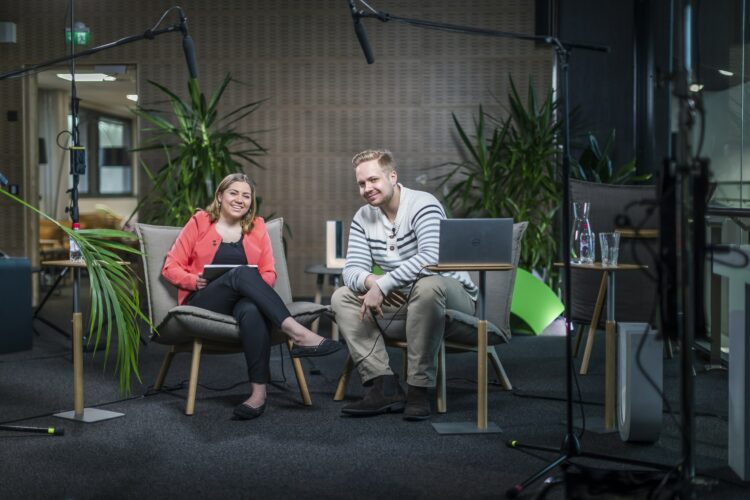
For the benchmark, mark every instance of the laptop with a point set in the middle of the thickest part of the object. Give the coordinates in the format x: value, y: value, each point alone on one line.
x: 475, y: 241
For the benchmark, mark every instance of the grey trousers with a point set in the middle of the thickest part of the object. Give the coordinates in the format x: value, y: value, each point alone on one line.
x: 421, y: 322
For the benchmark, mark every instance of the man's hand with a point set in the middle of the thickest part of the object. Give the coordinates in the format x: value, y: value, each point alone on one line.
x: 201, y: 282
x: 372, y: 300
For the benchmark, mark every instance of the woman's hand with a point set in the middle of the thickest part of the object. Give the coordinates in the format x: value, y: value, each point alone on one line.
x: 201, y: 282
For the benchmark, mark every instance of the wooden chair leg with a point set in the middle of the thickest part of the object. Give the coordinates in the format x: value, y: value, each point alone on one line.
x: 441, y: 402
x: 499, y: 370
x: 344, y: 379
x: 164, y: 368
x: 579, y: 337
x: 304, y: 392
x: 594, y: 323
x: 194, y: 367
x: 668, y: 347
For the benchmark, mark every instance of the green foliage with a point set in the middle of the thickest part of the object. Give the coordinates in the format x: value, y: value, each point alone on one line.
x: 201, y: 147
x: 510, y: 170
x: 114, y: 293
x: 595, y: 165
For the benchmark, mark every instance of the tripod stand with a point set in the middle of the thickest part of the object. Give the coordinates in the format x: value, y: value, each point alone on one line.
x: 687, y: 178
x: 78, y: 168
x: 571, y: 446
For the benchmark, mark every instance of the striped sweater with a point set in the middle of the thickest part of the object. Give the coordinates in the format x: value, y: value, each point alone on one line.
x: 401, y: 249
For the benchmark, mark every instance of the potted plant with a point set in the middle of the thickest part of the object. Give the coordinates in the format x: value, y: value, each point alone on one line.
x: 201, y: 146
x: 510, y: 169
x: 595, y: 165
x: 115, y: 301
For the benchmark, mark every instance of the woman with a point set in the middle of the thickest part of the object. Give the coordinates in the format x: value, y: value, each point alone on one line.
x: 228, y: 232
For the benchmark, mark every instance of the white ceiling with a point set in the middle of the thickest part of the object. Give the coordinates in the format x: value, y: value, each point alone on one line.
x: 96, y: 94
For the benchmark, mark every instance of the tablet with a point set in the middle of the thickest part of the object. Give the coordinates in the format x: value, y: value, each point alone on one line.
x: 213, y: 271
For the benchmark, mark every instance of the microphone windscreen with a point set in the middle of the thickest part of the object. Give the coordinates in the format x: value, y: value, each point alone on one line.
x: 359, y: 29
x: 189, y: 49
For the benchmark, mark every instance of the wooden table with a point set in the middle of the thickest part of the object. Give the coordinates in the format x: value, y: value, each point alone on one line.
x: 79, y: 413
x: 481, y: 426
x: 334, y: 279
x: 606, y: 288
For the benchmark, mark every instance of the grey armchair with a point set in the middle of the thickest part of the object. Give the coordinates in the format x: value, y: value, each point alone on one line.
x: 199, y: 331
x: 636, y: 292
x: 461, y: 328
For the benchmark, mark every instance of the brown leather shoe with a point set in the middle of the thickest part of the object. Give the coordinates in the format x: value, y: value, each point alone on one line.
x: 417, y: 404
x: 385, y: 395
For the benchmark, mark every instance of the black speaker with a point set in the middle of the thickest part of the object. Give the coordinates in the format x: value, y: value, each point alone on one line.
x: 15, y: 312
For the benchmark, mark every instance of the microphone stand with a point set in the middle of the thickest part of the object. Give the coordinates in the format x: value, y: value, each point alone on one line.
x: 571, y: 446
x: 77, y: 168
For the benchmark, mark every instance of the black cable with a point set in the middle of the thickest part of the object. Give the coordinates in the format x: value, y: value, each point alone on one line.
x: 51, y: 356
x: 57, y: 139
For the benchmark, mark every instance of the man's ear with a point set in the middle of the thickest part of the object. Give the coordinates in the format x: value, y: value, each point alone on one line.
x: 394, y: 177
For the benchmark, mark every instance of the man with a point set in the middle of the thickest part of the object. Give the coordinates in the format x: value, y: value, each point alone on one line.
x: 398, y: 230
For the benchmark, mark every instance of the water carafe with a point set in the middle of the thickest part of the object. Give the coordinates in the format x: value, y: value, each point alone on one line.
x: 582, y: 244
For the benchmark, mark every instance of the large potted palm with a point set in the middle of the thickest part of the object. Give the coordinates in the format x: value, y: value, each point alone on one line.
x: 510, y: 169
x: 200, y: 145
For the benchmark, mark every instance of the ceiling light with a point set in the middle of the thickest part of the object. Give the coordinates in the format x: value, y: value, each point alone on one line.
x: 696, y: 87
x: 726, y: 73
x: 132, y: 97
x: 88, y: 77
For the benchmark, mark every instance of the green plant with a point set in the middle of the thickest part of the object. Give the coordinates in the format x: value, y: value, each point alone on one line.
x: 595, y: 165
x: 114, y: 293
x: 510, y: 170
x: 201, y: 147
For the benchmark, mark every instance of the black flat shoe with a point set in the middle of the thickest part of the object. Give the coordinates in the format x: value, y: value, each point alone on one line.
x: 245, y: 412
x: 326, y: 347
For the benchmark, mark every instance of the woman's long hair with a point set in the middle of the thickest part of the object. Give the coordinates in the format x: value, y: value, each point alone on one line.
x: 214, y: 209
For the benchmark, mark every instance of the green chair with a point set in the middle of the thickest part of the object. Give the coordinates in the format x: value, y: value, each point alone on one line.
x: 534, y: 303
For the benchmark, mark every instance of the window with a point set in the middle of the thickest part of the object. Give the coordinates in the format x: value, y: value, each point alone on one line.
x: 107, y: 139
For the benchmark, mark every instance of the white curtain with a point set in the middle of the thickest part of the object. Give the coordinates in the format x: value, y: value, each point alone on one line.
x: 53, y: 175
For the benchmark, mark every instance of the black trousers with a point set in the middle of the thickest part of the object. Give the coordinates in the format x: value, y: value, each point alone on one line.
x: 257, y: 307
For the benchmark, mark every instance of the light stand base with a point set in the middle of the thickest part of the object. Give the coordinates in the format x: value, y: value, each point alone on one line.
x: 465, y: 428
x: 90, y: 415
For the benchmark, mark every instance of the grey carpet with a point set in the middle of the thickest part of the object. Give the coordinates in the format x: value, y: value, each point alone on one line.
x: 155, y: 451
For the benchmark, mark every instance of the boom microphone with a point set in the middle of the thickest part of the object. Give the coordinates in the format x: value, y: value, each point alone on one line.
x: 188, y: 48
x: 359, y: 30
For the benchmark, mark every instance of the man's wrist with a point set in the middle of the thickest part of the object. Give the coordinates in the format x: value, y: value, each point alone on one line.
x: 370, y: 281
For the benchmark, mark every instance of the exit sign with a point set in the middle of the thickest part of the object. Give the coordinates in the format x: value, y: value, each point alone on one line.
x: 80, y: 37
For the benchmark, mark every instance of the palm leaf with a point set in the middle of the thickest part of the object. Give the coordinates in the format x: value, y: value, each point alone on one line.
x: 114, y: 293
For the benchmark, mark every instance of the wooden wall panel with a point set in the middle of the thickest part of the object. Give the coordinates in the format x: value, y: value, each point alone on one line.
x: 324, y: 103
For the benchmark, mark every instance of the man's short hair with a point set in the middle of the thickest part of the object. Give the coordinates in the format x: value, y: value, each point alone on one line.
x: 384, y: 157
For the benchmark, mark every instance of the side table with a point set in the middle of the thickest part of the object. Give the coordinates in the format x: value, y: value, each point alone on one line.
x: 481, y: 426
x: 607, y: 287
x: 334, y: 279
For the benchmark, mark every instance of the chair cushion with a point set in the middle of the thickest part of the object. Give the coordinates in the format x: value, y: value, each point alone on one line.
x: 459, y: 327
x: 183, y: 323
x: 462, y: 328
x: 306, y: 312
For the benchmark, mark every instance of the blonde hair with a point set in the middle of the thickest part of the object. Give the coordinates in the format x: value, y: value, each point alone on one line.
x: 214, y: 209
x: 384, y: 157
